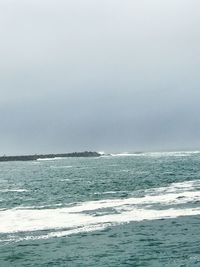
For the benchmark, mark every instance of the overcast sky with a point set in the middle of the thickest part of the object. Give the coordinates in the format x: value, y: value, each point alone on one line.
x: 108, y: 75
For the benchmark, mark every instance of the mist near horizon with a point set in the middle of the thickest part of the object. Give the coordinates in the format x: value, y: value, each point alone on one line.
x: 109, y: 76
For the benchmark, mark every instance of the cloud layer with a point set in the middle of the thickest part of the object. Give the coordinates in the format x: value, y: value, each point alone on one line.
x: 103, y: 75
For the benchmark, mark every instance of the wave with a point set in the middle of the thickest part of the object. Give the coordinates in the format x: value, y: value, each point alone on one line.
x: 124, y: 154
x: 75, y: 167
x: 67, y: 180
x: 13, y: 190
x: 172, y: 154
x: 47, y: 159
x: 158, y: 203
x: 84, y: 229
x: 177, y: 187
x: 157, y: 154
x: 62, y: 167
x: 110, y: 192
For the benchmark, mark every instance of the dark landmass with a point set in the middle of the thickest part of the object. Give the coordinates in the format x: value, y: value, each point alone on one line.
x: 49, y: 156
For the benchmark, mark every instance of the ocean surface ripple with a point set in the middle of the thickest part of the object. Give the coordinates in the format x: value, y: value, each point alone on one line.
x: 120, y: 210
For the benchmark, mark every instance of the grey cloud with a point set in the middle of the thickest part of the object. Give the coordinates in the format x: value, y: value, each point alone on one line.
x: 100, y: 75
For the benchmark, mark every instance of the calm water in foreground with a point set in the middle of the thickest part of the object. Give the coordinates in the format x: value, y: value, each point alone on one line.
x: 139, y: 210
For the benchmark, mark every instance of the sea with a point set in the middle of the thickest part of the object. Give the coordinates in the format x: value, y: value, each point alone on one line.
x: 138, y: 209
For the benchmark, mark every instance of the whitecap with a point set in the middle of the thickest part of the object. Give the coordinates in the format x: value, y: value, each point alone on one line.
x: 171, y: 154
x: 124, y: 154
x: 47, y: 159
x: 157, y: 154
x: 113, y: 211
x: 110, y: 192
x: 66, y: 180
x: 13, y: 190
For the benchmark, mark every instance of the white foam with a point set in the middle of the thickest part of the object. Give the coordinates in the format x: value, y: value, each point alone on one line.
x: 125, y: 154
x: 46, y: 159
x: 157, y: 154
x: 84, y: 229
x: 13, y: 190
x: 101, y: 153
x: 89, y: 223
x: 110, y: 192
x: 176, y: 187
x: 97, y: 213
x: 172, y: 154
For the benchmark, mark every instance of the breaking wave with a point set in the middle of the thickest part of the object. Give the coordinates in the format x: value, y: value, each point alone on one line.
x: 157, y: 154
x: 157, y: 203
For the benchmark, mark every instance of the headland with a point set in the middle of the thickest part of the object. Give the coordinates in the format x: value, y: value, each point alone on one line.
x: 49, y: 156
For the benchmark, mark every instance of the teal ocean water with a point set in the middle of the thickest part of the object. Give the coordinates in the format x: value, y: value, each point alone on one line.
x: 120, y: 210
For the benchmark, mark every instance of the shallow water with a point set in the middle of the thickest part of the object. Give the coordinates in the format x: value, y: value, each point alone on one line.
x: 122, y: 210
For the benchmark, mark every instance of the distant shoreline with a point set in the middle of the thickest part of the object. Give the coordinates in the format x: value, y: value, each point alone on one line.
x: 49, y: 156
